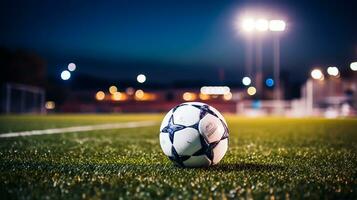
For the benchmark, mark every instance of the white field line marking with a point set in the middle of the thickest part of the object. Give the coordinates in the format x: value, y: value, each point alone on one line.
x: 136, y: 124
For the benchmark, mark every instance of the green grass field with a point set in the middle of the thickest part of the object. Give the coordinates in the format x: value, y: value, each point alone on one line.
x: 268, y: 158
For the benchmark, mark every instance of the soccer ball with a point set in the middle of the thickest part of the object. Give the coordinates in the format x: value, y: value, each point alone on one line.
x: 194, y: 134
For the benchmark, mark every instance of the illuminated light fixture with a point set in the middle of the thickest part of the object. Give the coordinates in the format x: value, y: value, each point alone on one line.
x: 141, y: 78
x: 317, y: 74
x: 189, y: 96
x: 269, y: 82
x: 215, y: 90
x: 139, y: 94
x: 50, y: 105
x: 333, y: 71
x: 204, y: 97
x: 251, y: 91
x: 261, y: 25
x: 113, y: 89
x: 248, y: 24
x: 71, y: 67
x: 277, y: 25
x: 100, y: 95
x: 118, y: 96
x: 227, y: 96
x: 246, y: 81
x: 353, y: 66
x: 129, y: 91
x: 65, y: 75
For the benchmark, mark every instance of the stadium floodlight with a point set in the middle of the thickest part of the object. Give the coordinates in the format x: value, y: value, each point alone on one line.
x: 248, y: 24
x: 246, y: 81
x: 333, y: 71
x: 71, y: 67
x: 251, y: 91
x: 65, y: 75
x: 100, y: 95
x: 261, y: 25
x: 317, y: 74
x: 277, y: 25
x: 141, y: 78
x: 269, y: 82
x: 353, y: 66
x: 113, y: 89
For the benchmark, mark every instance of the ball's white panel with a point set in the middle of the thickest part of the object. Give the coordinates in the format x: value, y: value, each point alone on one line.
x: 166, y: 119
x: 211, y: 128
x: 197, y: 161
x: 186, y: 115
x: 218, y: 114
x: 187, y: 141
x: 165, y: 144
x: 196, y: 103
x: 220, y: 150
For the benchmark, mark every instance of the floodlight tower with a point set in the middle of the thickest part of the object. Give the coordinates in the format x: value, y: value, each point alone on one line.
x: 261, y: 27
x: 277, y: 26
x: 248, y: 27
x: 255, y: 27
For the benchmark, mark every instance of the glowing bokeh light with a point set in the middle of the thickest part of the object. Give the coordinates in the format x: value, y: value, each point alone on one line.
x: 215, y: 90
x: 204, y: 97
x: 189, y: 96
x: 113, y: 89
x: 317, y: 74
x: 50, y: 105
x: 141, y: 78
x: 129, y: 91
x: 333, y: 71
x: 269, y: 82
x: 118, y: 96
x: 227, y: 96
x: 246, y: 81
x: 100, y: 95
x: 353, y: 66
x: 65, y: 75
x: 251, y: 91
x: 71, y: 67
x: 277, y: 25
x: 139, y: 94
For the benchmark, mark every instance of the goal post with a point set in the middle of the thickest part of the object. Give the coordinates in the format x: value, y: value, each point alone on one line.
x: 20, y: 98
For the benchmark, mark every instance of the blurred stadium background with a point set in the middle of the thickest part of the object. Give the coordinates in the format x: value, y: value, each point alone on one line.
x: 257, y: 60
x: 328, y: 91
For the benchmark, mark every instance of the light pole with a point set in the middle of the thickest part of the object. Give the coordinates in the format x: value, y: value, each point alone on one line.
x: 277, y: 26
x: 258, y: 26
x: 248, y: 26
x: 255, y: 27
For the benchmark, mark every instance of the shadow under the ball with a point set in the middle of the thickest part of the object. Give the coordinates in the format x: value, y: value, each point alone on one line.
x: 228, y: 167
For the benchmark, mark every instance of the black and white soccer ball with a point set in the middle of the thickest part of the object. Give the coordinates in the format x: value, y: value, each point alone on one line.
x: 194, y: 134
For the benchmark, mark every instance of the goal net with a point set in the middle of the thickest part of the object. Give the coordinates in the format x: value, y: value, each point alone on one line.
x: 19, y: 98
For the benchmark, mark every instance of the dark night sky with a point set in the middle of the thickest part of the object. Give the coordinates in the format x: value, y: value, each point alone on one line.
x: 175, y: 40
